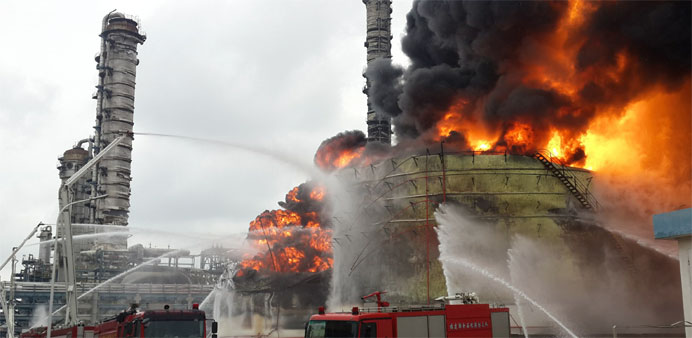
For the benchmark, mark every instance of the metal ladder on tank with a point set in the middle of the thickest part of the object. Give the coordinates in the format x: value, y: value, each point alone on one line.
x: 578, y: 189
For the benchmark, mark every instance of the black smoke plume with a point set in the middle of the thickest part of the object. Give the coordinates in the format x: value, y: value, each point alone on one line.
x: 339, y: 150
x: 481, y: 53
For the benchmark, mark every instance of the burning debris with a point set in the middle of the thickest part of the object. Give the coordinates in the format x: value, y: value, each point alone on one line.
x: 293, y: 239
x: 291, y: 268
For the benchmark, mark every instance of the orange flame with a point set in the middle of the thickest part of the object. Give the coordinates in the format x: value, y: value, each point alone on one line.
x: 638, y: 133
x: 317, y: 194
x: 293, y: 195
x: 342, y: 150
x: 291, y: 240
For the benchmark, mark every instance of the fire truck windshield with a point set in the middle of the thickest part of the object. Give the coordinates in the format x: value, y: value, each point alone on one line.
x: 331, y: 329
x: 174, y: 329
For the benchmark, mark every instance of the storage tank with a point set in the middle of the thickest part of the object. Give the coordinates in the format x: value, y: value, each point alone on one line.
x: 394, y: 223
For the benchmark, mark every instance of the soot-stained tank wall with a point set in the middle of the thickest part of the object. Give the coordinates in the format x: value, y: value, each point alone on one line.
x: 516, y: 194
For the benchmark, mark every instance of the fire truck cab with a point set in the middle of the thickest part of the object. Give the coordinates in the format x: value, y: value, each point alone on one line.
x: 156, y: 323
x: 443, y: 320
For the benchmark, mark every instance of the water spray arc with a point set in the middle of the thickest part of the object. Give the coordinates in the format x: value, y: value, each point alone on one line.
x: 274, y: 155
x: 466, y: 264
x: 124, y: 273
x: 133, y: 269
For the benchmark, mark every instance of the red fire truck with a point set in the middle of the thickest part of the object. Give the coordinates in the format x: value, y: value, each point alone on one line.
x: 132, y: 323
x: 442, y: 320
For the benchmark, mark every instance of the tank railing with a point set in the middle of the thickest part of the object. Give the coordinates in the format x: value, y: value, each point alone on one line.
x: 132, y: 17
x: 428, y: 152
x: 397, y: 164
x: 135, y: 18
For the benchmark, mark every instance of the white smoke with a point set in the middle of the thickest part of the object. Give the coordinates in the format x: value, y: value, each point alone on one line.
x: 358, y: 241
x: 39, y: 316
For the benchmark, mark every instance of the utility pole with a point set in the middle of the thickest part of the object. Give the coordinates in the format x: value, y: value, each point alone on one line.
x: 10, y: 316
x: 8, y: 305
x: 5, y: 311
x: 68, y: 257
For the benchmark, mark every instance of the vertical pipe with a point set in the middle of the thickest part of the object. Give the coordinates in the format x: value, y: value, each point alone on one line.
x: 70, y: 283
x: 96, y: 148
x: 444, y: 177
x: 10, y: 315
x: 53, y: 277
x: 427, y: 228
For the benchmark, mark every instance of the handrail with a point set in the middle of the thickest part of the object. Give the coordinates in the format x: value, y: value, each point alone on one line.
x: 560, y: 165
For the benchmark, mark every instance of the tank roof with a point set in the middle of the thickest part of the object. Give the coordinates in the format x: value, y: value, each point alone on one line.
x: 75, y: 154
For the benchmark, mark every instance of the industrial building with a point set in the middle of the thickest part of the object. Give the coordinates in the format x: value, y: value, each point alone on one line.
x: 169, y: 277
x: 115, y: 93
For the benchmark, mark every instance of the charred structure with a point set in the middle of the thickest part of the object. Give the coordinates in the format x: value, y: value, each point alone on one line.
x: 379, y: 46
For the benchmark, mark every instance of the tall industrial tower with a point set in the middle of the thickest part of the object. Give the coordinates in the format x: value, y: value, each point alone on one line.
x: 379, y: 45
x: 116, y: 64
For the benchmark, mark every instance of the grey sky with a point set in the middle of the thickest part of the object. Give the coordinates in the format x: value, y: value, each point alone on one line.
x: 282, y: 75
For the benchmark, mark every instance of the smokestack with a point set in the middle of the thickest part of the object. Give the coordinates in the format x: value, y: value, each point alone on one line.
x: 115, y: 97
x: 378, y: 44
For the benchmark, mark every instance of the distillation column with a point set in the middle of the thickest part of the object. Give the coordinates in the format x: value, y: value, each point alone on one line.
x: 379, y: 45
x: 115, y: 97
x: 71, y: 161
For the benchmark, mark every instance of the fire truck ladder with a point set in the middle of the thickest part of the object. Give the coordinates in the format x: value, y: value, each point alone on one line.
x: 578, y: 189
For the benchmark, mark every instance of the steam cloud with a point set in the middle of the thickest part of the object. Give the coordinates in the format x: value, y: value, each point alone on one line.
x: 590, y: 285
